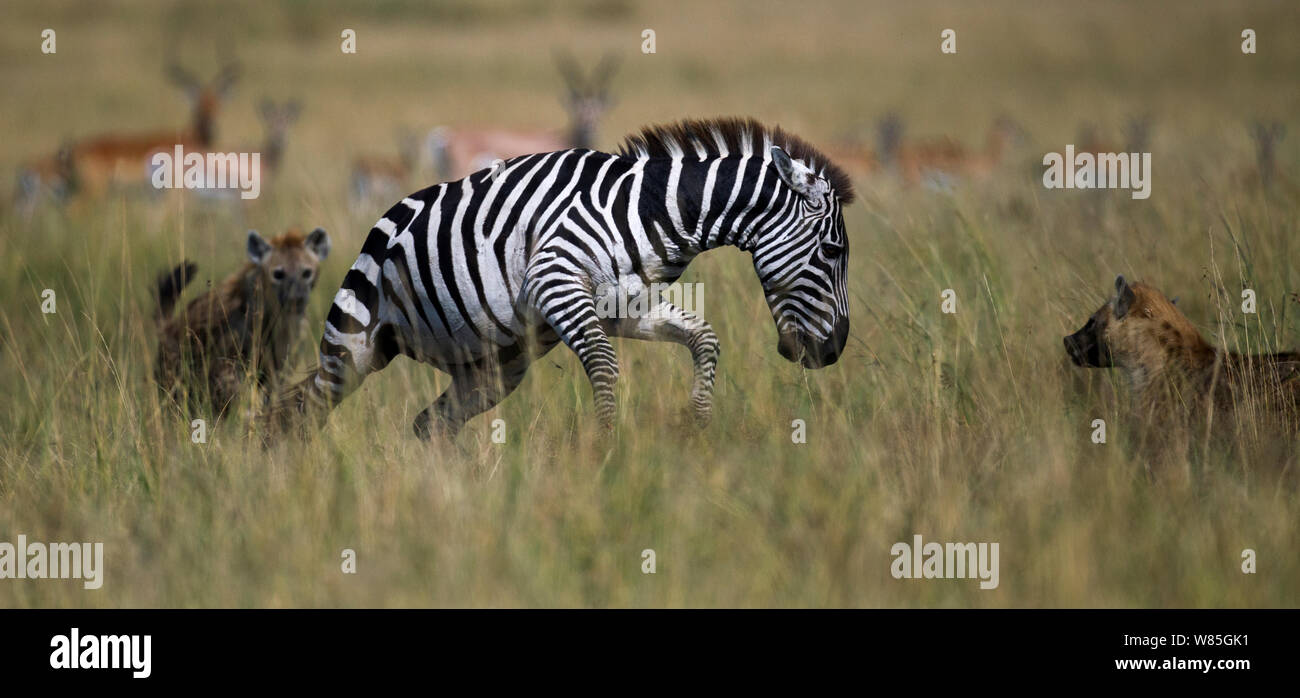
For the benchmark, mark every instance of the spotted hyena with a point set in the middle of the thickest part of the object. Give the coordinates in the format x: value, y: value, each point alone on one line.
x: 243, y: 328
x: 1171, y: 367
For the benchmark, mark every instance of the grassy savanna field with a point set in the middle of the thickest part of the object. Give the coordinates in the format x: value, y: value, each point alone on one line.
x: 970, y: 426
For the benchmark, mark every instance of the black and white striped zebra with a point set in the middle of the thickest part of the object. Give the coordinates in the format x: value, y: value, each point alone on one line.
x: 480, y: 276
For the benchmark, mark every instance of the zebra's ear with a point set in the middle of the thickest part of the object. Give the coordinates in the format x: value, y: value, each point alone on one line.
x: 794, y: 174
x: 258, y: 248
x: 318, y: 241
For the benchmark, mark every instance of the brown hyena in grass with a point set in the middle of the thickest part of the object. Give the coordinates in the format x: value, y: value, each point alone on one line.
x: 245, y: 327
x: 1182, y: 385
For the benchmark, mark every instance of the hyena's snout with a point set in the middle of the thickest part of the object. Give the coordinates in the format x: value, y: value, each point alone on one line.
x: 1087, y: 349
x: 1074, y: 349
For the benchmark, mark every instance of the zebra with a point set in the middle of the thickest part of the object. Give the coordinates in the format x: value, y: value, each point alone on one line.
x: 481, y: 276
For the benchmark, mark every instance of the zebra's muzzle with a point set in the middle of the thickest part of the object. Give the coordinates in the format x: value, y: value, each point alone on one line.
x: 790, y: 345
x: 794, y: 345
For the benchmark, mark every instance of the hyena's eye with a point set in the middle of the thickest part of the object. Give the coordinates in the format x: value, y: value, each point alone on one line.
x: 306, y: 273
x: 278, y: 274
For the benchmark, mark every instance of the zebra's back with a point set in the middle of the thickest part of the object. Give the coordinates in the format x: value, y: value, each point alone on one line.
x: 445, y: 265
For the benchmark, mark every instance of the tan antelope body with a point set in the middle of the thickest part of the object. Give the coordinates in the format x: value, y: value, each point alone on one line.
x: 855, y: 156
x: 276, y: 120
x: 1264, y: 174
x: 941, y: 160
x: 1137, y: 136
x: 378, y: 177
x: 460, y: 151
x: 53, y: 177
x: 110, y: 158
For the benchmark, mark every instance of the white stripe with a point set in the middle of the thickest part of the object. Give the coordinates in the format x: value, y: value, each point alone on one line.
x: 347, y: 301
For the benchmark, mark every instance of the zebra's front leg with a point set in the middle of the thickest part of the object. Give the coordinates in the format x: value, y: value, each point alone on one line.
x: 666, y: 322
x: 570, y: 309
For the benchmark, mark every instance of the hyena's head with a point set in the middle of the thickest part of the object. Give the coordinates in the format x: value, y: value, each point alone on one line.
x: 804, y: 270
x: 287, y: 266
x: 1138, y: 329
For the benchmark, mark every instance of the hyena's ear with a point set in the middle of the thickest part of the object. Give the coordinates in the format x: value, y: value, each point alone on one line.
x: 258, y: 248
x: 797, y: 175
x: 1124, y: 297
x: 318, y: 241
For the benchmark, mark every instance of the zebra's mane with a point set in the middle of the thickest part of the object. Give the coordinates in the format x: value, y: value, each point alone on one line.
x: 706, y: 138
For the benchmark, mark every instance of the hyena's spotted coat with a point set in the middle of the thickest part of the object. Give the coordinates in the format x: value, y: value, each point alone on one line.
x: 246, y: 326
x: 1171, y: 367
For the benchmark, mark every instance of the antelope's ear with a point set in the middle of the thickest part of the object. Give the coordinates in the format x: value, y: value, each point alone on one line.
x: 185, y: 80
x: 258, y: 248
x: 795, y: 174
x: 1124, y: 297
x: 318, y: 241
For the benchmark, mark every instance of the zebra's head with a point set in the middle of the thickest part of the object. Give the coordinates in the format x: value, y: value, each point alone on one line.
x: 802, y: 263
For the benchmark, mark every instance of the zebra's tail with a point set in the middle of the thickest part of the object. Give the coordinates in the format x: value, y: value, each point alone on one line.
x: 355, y: 342
x: 170, y: 285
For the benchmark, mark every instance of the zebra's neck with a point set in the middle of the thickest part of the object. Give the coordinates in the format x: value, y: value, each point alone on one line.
x: 716, y: 202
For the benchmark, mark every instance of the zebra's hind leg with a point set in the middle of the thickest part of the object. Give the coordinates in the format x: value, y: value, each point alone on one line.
x: 345, y: 361
x: 475, y: 389
x: 666, y: 322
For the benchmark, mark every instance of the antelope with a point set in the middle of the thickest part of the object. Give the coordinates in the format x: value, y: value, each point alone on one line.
x: 276, y: 120
x: 1137, y: 137
x: 53, y: 176
x: 115, y: 157
x: 385, y: 177
x: 458, y: 152
x: 856, y: 156
x: 1264, y: 173
x: 938, y: 161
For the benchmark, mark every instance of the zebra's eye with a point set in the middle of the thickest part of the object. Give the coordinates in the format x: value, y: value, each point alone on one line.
x: 831, y: 250
x: 278, y: 274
